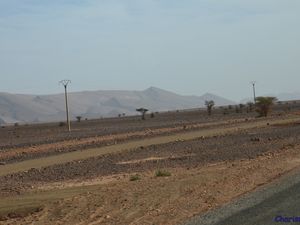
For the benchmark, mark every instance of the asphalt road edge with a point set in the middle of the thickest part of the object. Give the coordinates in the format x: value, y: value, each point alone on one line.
x: 248, y: 200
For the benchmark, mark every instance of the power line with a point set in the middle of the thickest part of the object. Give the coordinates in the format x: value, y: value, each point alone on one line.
x: 65, y: 83
x: 254, y: 91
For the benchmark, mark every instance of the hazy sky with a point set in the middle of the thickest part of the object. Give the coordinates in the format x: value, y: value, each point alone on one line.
x: 190, y: 47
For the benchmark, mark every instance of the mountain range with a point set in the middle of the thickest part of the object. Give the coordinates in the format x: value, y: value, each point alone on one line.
x: 281, y: 97
x: 95, y: 104
x: 288, y: 96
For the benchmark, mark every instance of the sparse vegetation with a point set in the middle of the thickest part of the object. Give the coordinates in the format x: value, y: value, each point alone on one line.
x: 100, y: 177
x: 288, y: 108
x: 135, y: 177
x: 250, y: 106
x: 62, y: 124
x: 237, y: 110
x: 20, y: 212
x: 162, y: 173
x: 143, y: 111
x: 78, y: 118
x: 242, y: 106
x: 264, y: 105
x: 225, y: 111
x: 209, y: 105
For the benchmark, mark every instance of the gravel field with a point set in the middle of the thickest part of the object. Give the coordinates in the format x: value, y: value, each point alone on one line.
x: 181, y: 154
x: 28, y: 135
x: 86, y: 175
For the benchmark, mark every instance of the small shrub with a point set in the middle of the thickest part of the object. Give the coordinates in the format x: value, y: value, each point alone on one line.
x: 143, y: 112
x: 264, y: 105
x: 16, y: 124
x: 152, y: 115
x: 162, y: 173
x: 134, y: 177
x: 250, y: 106
x: 61, y: 124
x: 209, y: 105
x: 237, y: 109
x: 241, y: 106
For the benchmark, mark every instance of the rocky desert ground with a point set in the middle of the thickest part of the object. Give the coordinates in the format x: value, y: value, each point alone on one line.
x: 163, y: 170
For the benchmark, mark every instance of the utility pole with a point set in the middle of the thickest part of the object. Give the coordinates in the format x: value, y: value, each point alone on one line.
x: 254, y: 94
x: 65, y: 84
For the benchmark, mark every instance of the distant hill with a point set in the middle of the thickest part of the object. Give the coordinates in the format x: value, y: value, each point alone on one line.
x: 95, y: 104
x: 288, y: 96
x: 280, y: 97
